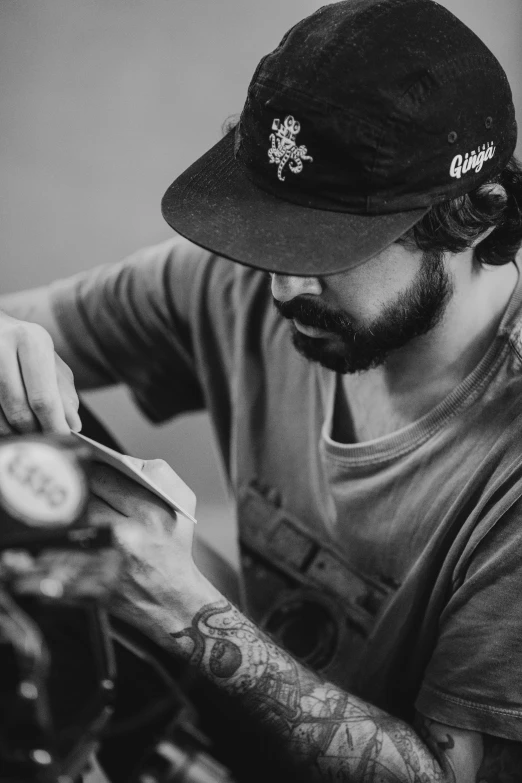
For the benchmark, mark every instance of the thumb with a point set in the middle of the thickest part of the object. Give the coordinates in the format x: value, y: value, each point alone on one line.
x: 160, y: 472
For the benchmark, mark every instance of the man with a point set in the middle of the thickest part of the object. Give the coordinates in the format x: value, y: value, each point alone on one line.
x: 378, y: 484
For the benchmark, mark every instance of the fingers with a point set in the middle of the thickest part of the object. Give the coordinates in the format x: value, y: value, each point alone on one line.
x: 68, y: 394
x: 168, y: 480
x: 5, y: 427
x: 130, y: 534
x: 41, y: 384
x: 125, y: 495
x: 36, y: 387
x: 138, y: 504
x: 17, y: 415
x: 101, y: 513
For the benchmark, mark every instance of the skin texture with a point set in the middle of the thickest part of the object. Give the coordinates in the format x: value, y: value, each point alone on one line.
x: 311, y: 727
x: 417, y: 376
x: 37, y: 392
x: 39, y: 374
x: 346, y: 346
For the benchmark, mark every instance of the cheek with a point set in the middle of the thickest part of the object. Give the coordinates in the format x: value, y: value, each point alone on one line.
x: 365, y: 292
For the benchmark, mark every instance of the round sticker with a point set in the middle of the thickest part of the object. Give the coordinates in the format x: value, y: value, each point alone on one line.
x: 39, y: 484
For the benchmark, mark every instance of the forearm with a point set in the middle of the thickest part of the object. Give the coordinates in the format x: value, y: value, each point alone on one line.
x: 312, y: 725
x: 35, y: 306
x: 282, y: 721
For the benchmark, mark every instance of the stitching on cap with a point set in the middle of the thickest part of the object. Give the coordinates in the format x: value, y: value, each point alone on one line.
x: 314, y: 100
x: 443, y: 68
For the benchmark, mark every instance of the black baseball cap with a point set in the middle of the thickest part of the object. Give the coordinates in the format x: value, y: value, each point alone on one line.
x: 367, y: 114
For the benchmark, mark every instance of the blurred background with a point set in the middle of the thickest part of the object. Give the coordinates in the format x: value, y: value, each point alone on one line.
x: 102, y: 104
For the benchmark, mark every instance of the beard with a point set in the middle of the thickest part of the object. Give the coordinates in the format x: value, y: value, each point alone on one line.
x: 351, y: 348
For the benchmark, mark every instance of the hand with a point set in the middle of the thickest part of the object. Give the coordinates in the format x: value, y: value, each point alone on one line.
x: 159, y: 572
x: 36, y: 387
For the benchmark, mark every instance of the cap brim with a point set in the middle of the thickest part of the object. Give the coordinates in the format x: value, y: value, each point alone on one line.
x: 216, y: 206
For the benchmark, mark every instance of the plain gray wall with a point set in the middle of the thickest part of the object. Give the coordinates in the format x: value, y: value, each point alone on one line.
x: 102, y: 104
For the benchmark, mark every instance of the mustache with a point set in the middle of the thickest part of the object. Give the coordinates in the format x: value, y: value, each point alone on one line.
x: 315, y: 314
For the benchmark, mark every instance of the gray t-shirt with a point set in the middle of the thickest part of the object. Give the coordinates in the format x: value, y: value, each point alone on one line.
x: 393, y: 567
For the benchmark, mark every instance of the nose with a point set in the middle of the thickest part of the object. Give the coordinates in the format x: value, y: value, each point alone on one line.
x: 286, y: 287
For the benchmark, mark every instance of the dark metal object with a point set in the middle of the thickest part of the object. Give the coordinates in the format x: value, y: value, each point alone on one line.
x: 60, y: 656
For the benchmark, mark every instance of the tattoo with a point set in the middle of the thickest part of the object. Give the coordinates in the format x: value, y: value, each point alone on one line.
x: 439, y: 745
x: 501, y: 762
x: 225, y: 658
x: 331, y: 734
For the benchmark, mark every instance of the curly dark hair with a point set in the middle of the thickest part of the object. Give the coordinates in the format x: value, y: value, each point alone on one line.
x: 453, y: 226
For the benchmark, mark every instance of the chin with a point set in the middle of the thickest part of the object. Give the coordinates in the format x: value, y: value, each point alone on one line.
x: 334, y: 354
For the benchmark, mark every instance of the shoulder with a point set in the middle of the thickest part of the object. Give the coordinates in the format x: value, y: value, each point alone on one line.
x: 180, y: 259
x: 221, y: 299
x: 172, y: 275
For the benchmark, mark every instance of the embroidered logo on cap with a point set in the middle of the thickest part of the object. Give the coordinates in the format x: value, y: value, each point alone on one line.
x: 472, y: 160
x: 284, y: 149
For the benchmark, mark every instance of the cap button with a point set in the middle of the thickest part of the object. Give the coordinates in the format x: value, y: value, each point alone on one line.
x: 452, y: 138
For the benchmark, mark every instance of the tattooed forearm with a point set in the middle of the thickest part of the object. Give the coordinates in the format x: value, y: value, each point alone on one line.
x: 333, y: 735
x: 439, y: 742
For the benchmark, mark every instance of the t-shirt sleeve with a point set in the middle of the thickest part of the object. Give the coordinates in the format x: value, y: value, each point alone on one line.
x: 473, y: 680
x: 135, y: 322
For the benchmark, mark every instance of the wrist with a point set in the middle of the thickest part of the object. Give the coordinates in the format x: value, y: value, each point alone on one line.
x: 198, y: 592
x: 176, y: 606
x: 166, y: 607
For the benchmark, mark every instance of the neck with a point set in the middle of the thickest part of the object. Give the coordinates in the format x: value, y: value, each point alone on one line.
x: 417, y: 377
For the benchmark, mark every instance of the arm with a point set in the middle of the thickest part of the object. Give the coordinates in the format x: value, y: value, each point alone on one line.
x: 314, y: 728
x: 324, y: 731
x: 84, y: 331
x: 129, y: 323
x: 38, y: 370
x: 34, y: 306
